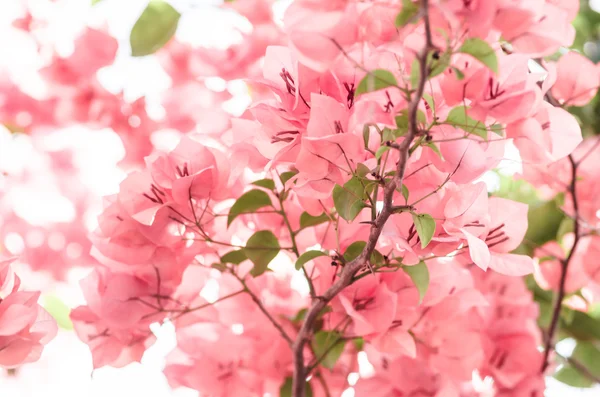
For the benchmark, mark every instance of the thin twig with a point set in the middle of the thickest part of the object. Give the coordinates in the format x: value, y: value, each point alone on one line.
x: 564, y: 269
x: 264, y: 310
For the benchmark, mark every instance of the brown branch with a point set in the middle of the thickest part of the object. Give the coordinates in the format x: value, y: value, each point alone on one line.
x: 564, y: 268
x: 351, y: 268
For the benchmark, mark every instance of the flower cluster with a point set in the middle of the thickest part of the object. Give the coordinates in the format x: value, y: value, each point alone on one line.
x: 25, y: 327
x: 338, y: 233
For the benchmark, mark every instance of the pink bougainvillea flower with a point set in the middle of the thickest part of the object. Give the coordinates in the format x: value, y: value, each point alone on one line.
x: 508, y: 224
x: 551, y: 134
x: 511, y: 96
x: 25, y: 327
x: 577, y: 81
x: 190, y: 171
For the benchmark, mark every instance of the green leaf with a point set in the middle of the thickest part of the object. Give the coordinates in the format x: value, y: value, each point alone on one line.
x: 94, y: 2
x: 425, y: 226
x: 415, y: 73
x: 286, y: 176
x: 154, y: 28
x: 438, y: 63
x: 459, y: 117
x: 59, y: 311
x: 286, y: 389
x: 434, y: 147
x: 366, y: 135
x: 307, y: 220
x: 308, y: 256
x: 480, y: 50
x: 381, y: 151
x: 300, y: 315
x: 349, y: 199
x: 261, y: 249
x: 266, y: 183
x: 588, y: 355
x: 248, y: 203
x: 497, y: 129
x: 328, y: 346
x: 584, y: 327
x: 388, y: 134
x: 419, y: 274
x: 402, y: 123
x: 407, y: 13
x: 359, y: 343
x: 376, y: 80
x: 405, y: 192
x: 459, y: 74
x: 354, y: 250
x: 236, y: 257
x: 362, y: 170
x: 571, y: 376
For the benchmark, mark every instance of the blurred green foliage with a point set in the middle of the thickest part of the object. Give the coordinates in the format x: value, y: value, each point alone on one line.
x: 587, y: 41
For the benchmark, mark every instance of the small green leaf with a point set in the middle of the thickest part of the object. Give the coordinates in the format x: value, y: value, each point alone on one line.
x: 308, y: 256
x: 402, y: 122
x: 459, y: 117
x: 300, y: 315
x: 388, y: 134
x: 362, y: 170
x: 154, y: 28
x: 480, y: 50
x: 415, y: 73
x: 407, y: 13
x: 459, y: 74
x: 419, y: 274
x: 266, y: 183
x: 307, y: 220
x: 438, y: 63
x: 248, y: 203
x: 569, y: 375
x: 286, y: 176
x: 588, y: 355
x: 434, y: 147
x: 381, y: 151
x: 236, y: 257
x: 354, y: 250
x: 349, y: 199
x: 425, y: 226
x: 328, y: 346
x: 405, y: 192
x: 286, y: 389
x: 497, y: 129
x: 366, y: 135
x: 376, y: 80
x: 261, y: 249
x: 430, y: 101
x: 359, y: 343
x: 59, y: 311
x: 94, y: 2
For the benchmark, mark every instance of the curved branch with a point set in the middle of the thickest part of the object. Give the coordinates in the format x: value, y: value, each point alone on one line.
x: 564, y: 269
x: 351, y: 268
